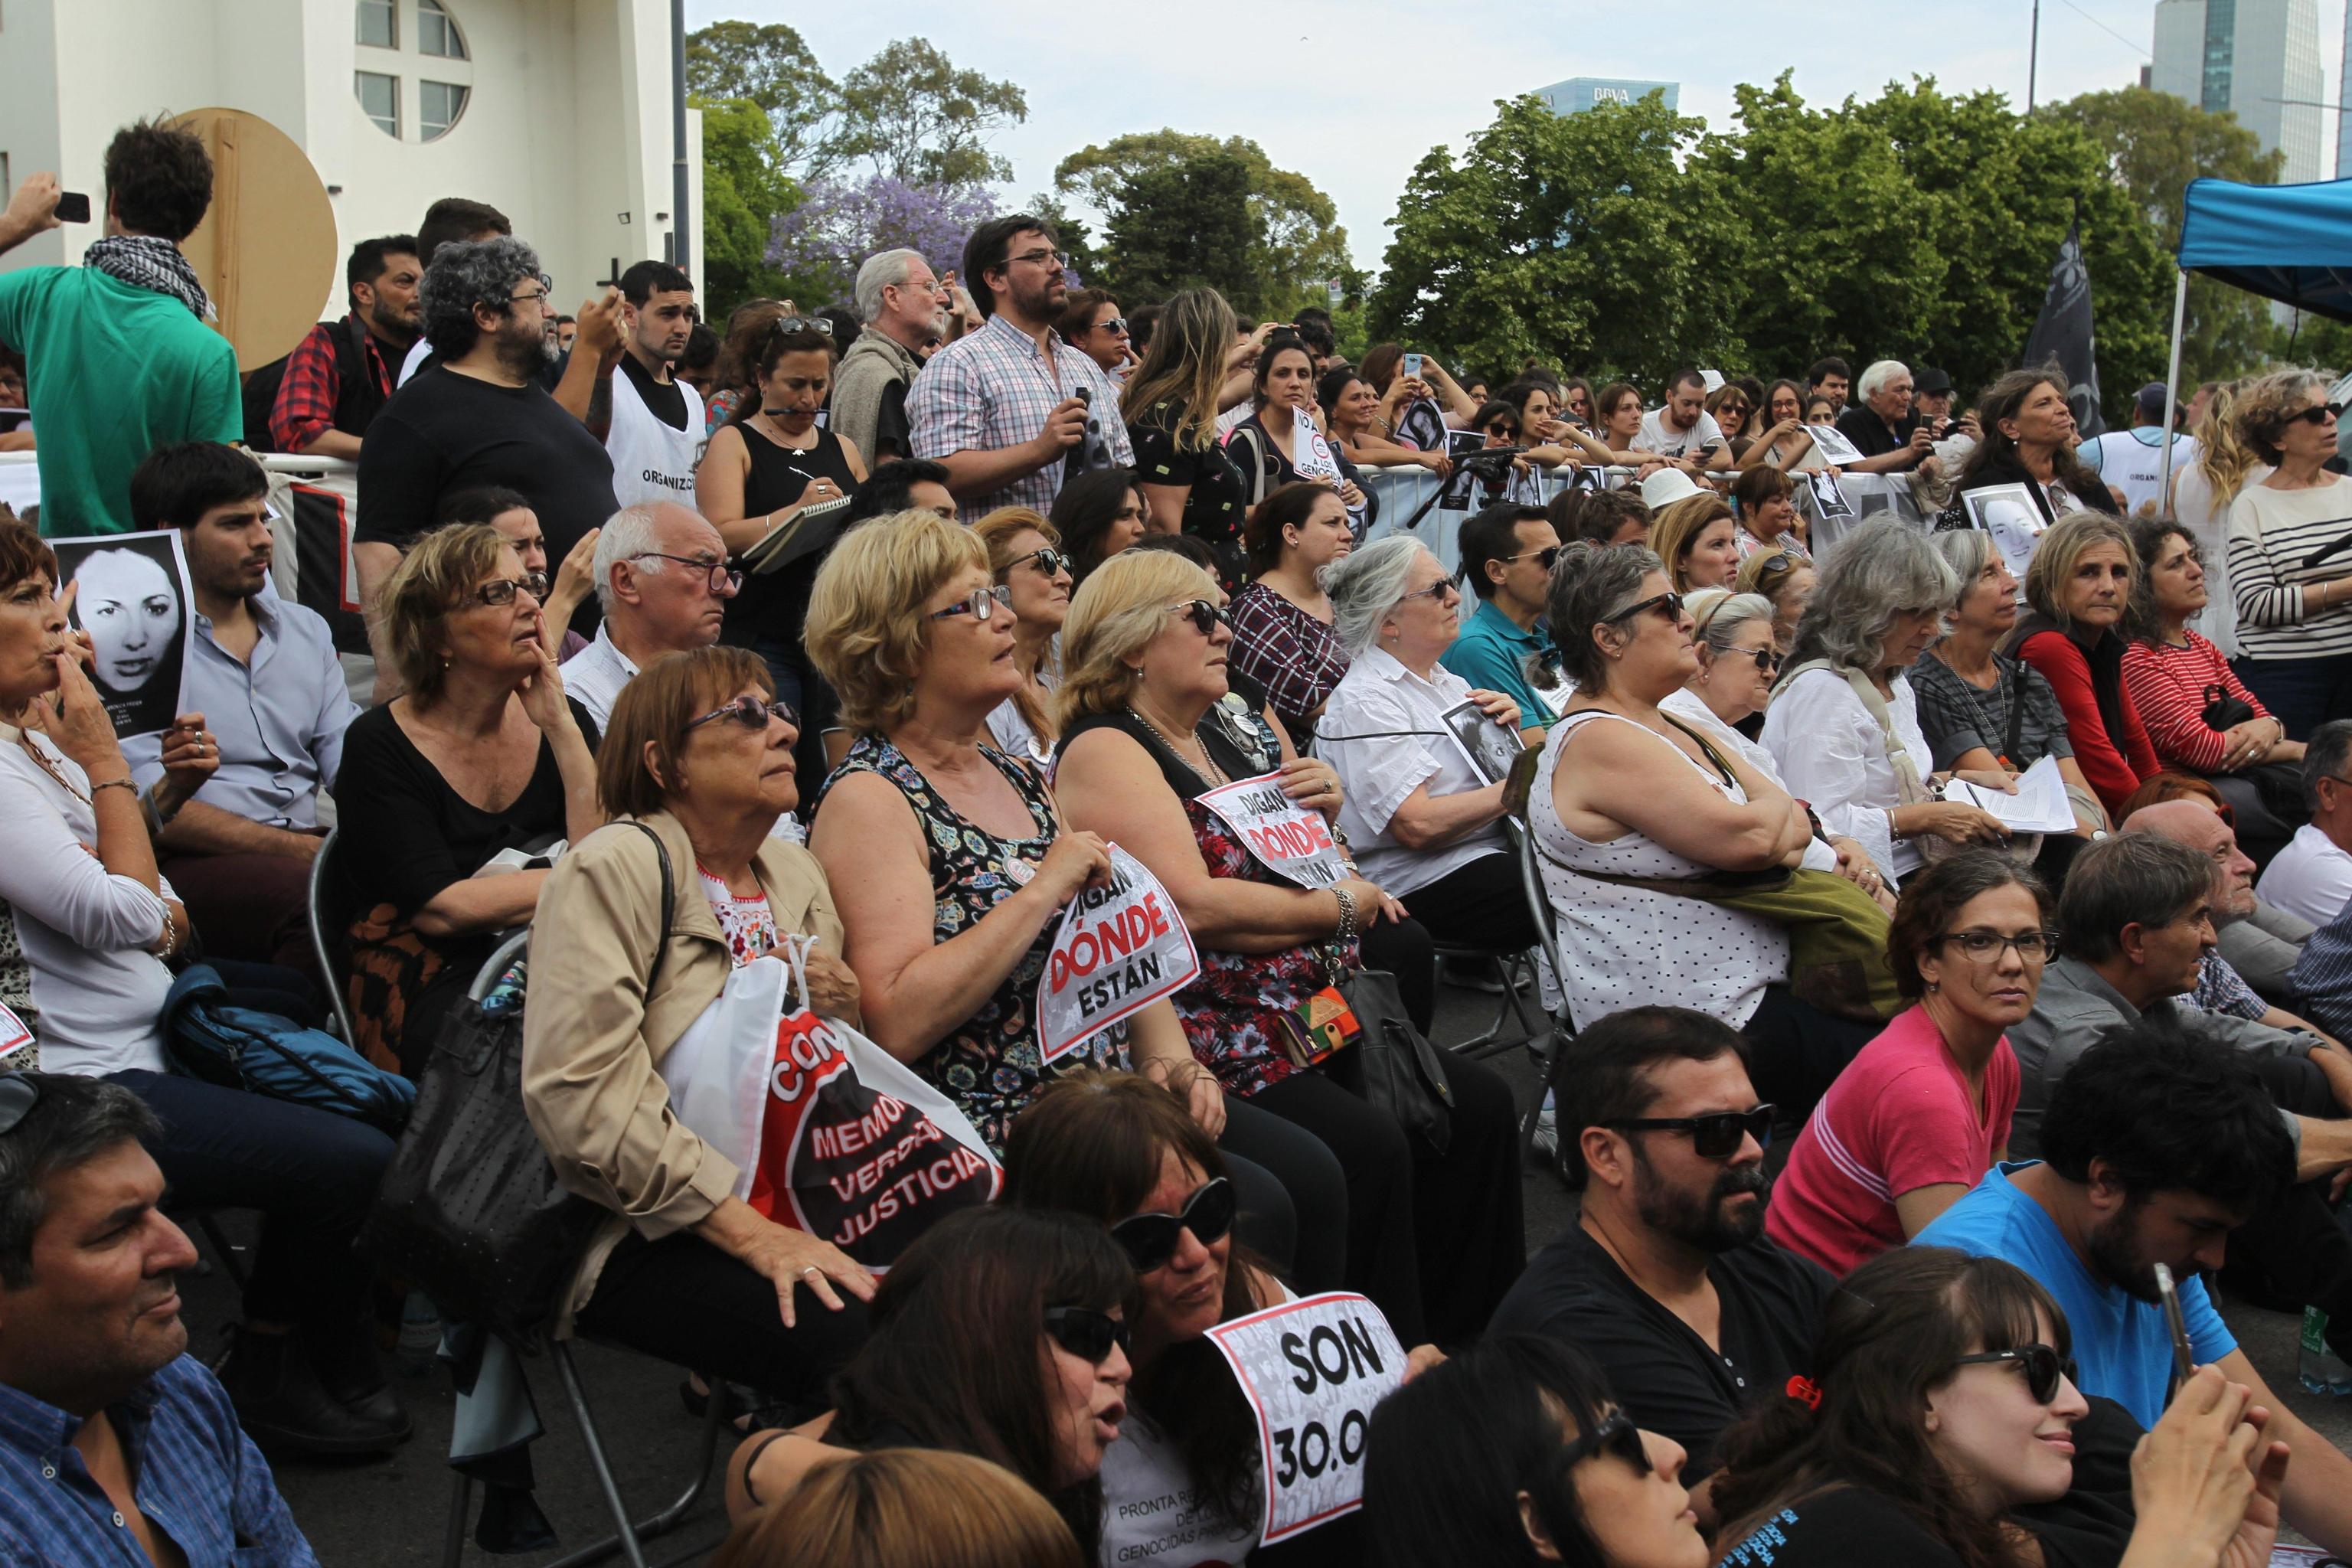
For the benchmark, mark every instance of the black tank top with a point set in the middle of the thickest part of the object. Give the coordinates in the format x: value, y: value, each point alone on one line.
x: 769, y: 611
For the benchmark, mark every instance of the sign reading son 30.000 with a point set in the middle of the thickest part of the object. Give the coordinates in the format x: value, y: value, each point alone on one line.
x: 1286, y: 836
x: 1119, y: 948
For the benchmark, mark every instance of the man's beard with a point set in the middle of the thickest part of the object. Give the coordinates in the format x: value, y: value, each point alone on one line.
x: 2114, y: 1258
x: 387, y: 325
x: 525, y: 357
x: 1702, y: 1223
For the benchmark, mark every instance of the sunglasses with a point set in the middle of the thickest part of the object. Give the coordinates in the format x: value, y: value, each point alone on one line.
x: 1779, y: 561
x: 783, y: 326
x: 1149, y: 1239
x: 1715, y: 1136
x: 19, y: 1093
x: 2320, y: 415
x: 501, y: 590
x: 1116, y: 324
x: 1509, y: 432
x: 1084, y: 1332
x: 1544, y: 557
x: 979, y: 606
x: 1767, y: 660
x: 1442, y: 590
x: 1615, y: 1435
x: 750, y: 712
x: 1050, y: 560
x: 1206, y: 616
x: 2043, y: 1365
x: 1670, y: 603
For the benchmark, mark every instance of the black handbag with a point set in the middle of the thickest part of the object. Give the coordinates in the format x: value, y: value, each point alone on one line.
x: 2223, y: 711
x: 1391, y: 1064
x: 470, y: 1211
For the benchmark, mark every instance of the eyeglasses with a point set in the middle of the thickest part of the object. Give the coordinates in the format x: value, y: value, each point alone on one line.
x: 1670, y: 603
x: 1206, y: 616
x: 783, y: 326
x: 1050, y: 560
x: 1441, y: 592
x: 1544, y: 557
x: 1714, y: 1136
x: 1767, y: 660
x: 750, y: 712
x: 1049, y: 259
x: 979, y: 604
x: 719, y: 577
x: 2043, y: 1366
x: 1730, y: 408
x: 1084, y: 1332
x: 1985, y: 946
x: 502, y: 590
x: 1615, y: 1435
x: 19, y: 1093
x: 1149, y: 1239
x: 546, y: 287
x: 2319, y: 413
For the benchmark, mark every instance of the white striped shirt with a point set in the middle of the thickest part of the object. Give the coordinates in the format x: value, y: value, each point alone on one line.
x: 2269, y: 534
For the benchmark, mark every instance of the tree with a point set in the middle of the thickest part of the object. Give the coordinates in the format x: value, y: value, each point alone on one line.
x: 914, y: 118
x: 741, y: 193
x: 820, y: 243
x: 772, y: 66
x: 1185, y: 224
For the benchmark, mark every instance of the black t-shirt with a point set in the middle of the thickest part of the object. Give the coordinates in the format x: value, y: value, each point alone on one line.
x: 1844, y: 1527
x: 1869, y: 432
x: 1218, y: 503
x: 1668, y: 1378
x: 665, y: 398
x: 446, y: 432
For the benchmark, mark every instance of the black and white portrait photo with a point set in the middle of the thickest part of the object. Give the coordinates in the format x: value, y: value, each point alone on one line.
x: 2009, y: 514
x: 131, y: 595
x: 1489, y: 746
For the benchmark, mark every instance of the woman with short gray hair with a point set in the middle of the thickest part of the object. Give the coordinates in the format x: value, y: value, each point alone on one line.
x: 2295, y: 634
x: 1843, y: 724
x: 1400, y: 730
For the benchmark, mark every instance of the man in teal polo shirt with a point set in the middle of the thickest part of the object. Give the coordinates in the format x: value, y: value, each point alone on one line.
x: 120, y: 357
x: 1506, y: 553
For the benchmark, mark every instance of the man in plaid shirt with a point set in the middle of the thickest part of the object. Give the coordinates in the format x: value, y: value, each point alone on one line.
x: 322, y: 408
x: 1000, y: 408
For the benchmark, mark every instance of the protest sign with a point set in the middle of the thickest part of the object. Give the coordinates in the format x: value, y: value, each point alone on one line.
x: 1485, y: 744
x: 1311, y: 1371
x: 14, y: 1038
x: 1120, y: 948
x: 133, y: 599
x: 1287, y: 838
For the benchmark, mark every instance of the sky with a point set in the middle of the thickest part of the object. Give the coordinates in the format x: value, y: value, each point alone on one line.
x: 1353, y: 95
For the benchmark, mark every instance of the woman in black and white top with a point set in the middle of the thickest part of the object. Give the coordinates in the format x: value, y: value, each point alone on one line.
x: 2295, y: 634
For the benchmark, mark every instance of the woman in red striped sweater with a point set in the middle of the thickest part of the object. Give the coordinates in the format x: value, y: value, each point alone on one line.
x: 2075, y: 590
x: 2181, y: 685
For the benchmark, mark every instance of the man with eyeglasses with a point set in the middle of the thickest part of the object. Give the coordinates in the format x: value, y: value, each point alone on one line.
x: 1666, y: 1277
x: 1890, y: 434
x: 1002, y: 408
x: 478, y: 417
x: 904, y: 305
x: 1507, y: 552
x: 663, y: 580
x: 652, y: 421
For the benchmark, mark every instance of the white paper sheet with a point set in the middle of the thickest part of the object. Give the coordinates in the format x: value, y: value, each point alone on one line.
x: 2039, y: 804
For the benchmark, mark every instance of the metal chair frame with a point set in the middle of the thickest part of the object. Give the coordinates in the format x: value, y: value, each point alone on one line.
x: 323, y: 869
x: 1515, y: 970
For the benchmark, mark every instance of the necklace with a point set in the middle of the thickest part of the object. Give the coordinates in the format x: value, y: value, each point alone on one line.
x: 1207, y: 768
x: 41, y: 761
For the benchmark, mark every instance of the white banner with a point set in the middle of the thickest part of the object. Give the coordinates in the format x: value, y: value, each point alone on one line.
x: 1312, y: 1369
x: 1120, y: 948
x: 1286, y: 837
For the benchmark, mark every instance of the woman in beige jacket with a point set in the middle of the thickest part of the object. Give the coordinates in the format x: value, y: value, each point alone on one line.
x: 699, y: 752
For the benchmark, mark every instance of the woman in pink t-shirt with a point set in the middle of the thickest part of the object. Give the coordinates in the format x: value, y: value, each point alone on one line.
x: 1916, y: 1119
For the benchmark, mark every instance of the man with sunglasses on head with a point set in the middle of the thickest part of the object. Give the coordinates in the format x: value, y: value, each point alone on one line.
x: 662, y: 581
x: 1002, y: 408
x: 1667, y: 1279
x: 903, y: 305
x: 1508, y: 551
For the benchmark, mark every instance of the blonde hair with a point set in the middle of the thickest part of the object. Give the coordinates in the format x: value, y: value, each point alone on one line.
x: 1185, y: 365
x: 865, y: 631
x: 997, y: 530
x: 905, y: 1507
x: 1677, y: 527
x: 2224, y: 455
x: 421, y: 591
x: 2061, y: 549
x: 1119, y: 611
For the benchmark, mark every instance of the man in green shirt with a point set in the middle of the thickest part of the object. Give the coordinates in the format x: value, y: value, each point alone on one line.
x: 120, y: 357
x: 1508, y: 551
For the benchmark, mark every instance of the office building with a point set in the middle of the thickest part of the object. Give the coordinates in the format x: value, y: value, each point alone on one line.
x: 1579, y: 93
x: 2258, y: 60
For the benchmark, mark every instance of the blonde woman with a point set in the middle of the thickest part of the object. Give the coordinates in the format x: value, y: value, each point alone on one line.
x: 2076, y: 590
x: 1189, y: 486
x: 2201, y: 497
x: 1024, y: 554
x: 1698, y: 539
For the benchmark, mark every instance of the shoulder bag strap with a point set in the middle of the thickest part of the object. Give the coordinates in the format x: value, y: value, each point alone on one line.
x: 2016, y: 714
x: 1910, y: 789
x: 668, y: 901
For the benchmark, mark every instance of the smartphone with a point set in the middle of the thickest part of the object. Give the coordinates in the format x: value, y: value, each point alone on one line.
x: 2184, y: 1366
x: 1413, y: 364
x: 73, y: 206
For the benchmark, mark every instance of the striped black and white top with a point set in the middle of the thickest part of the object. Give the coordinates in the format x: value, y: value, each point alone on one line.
x: 2269, y: 534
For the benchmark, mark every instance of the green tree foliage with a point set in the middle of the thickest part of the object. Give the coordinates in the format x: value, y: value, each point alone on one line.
x: 772, y: 66
x: 741, y: 192
x: 1185, y: 224
x: 911, y: 114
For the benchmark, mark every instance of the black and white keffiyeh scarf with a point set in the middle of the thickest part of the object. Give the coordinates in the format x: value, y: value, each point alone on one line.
x: 145, y: 261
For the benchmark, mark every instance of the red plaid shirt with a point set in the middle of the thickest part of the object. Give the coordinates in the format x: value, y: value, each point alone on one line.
x: 305, y: 409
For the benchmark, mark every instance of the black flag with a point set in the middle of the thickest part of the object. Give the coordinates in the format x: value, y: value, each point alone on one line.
x: 2062, y: 333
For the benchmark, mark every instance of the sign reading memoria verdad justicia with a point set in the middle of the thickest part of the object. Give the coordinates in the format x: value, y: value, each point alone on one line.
x: 1286, y: 836
x: 1120, y: 948
x: 1311, y: 1371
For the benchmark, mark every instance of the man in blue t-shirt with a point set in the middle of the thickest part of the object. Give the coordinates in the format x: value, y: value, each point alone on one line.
x: 1507, y: 554
x: 2155, y: 1147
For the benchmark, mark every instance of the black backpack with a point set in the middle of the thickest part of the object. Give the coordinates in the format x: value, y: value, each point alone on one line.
x: 352, y: 381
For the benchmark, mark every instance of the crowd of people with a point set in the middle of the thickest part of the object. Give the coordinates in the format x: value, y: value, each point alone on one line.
x: 856, y: 647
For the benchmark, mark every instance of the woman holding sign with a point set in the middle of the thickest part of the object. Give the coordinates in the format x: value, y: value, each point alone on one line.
x: 1153, y: 758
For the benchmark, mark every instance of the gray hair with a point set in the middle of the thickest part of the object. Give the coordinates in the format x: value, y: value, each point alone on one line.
x: 628, y: 535
x: 1875, y: 379
x: 1879, y: 573
x: 1589, y: 584
x: 2268, y: 402
x: 883, y: 270
x: 1718, y: 614
x: 2132, y: 878
x: 1366, y: 584
x: 2324, y: 756
x: 465, y: 273
x: 74, y: 1120
x: 1964, y: 551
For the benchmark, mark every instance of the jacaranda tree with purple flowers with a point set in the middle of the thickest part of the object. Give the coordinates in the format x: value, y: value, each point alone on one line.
x: 839, y: 223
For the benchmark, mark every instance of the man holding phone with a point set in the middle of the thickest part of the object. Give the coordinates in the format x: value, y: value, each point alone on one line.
x: 1683, y: 429
x: 121, y: 355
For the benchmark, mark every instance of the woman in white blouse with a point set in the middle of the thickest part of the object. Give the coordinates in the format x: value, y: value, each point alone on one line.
x: 1024, y: 556
x: 1843, y: 724
x: 88, y: 923
x: 1424, y: 825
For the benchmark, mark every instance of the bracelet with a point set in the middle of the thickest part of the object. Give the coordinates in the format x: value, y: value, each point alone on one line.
x: 1346, y: 931
x: 123, y: 783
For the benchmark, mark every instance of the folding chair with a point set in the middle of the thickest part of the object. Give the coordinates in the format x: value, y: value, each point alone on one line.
x: 1515, y: 970
x: 629, y: 1536
x: 329, y: 910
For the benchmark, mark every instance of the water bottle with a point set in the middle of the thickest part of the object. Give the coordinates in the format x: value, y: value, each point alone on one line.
x: 2323, y: 1371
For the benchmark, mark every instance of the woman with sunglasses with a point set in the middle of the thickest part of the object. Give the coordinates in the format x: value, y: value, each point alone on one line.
x: 1764, y: 500
x: 2295, y: 634
x: 700, y: 754
x: 1730, y: 406
x: 1499, y: 425
x: 945, y: 1367
x: 482, y: 753
x: 1517, y: 1454
x: 1024, y: 556
x: 1941, y: 1426
x: 1148, y: 730
x: 1283, y: 638
x: 1919, y: 1116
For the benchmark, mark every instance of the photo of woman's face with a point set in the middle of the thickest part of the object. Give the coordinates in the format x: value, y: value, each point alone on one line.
x: 130, y: 607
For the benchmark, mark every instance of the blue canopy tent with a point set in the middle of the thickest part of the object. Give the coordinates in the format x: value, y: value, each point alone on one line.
x: 2289, y: 242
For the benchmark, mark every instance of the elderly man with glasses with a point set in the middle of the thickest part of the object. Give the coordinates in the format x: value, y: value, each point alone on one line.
x: 904, y: 305
x: 1007, y: 409
x: 662, y: 581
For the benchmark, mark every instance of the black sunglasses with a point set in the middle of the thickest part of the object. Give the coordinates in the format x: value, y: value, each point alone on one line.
x: 1206, y: 616
x: 2319, y: 413
x: 1499, y: 428
x: 783, y: 326
x: 19, y: 1093
x: 1779, y: 561
x: 1715, y: 1135
x: 2043, y: 1366
x: 1670, y: 603
x: 750, y: 712
x: 1615, y: 1435
x: 1767, y: 659
x: 1084, y: 1332
x: 1050, y: 560
x: 1149, y: 1239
